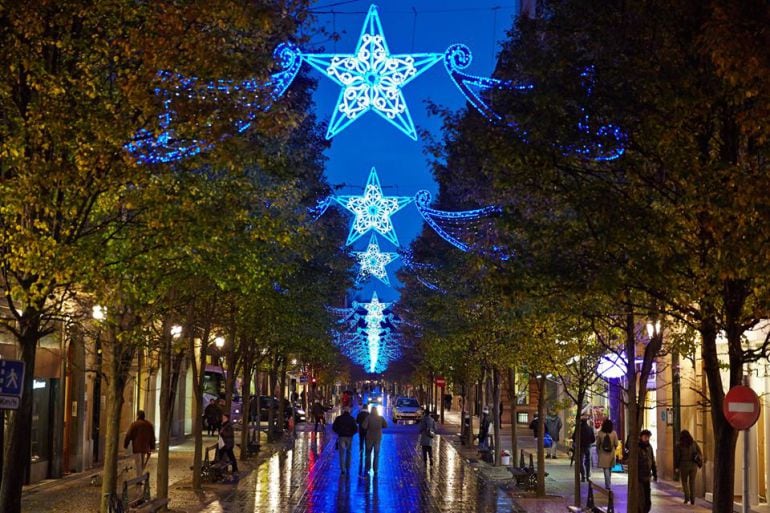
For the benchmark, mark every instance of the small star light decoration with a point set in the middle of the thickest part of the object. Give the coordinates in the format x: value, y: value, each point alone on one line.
x: 372, y: 78
x: 373, y: 210
x: 373, y: 261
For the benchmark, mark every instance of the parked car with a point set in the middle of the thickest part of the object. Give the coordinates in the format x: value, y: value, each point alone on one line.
x: 266, y: 402
x: 406, y: 408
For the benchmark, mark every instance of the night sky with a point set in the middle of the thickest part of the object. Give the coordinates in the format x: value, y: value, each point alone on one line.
x: 401, y: 163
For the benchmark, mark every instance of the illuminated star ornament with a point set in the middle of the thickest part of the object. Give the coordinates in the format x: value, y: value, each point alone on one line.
x: 373, y: 210
x: 373, y: 261
x: 371, y: 79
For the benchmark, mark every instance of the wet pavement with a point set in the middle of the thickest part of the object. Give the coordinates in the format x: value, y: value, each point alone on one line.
x: 304, y: 476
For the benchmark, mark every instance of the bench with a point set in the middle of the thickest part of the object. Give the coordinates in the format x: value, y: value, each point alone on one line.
x: 139, y: 504
x: 526, y: 475
x: 591, y: 506
x: 213, y: 469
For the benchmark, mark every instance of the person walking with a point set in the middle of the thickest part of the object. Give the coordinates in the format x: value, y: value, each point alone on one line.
x: 587, y: 439
x: 553, y: 428
x: 227, y: 442
x: 318, y: 414
x: 141, y: 436
x: 606, y: 443
x: 688, y: 458
x: 345, y: 426
x: 373, y: 424
x: 213, y: 416
x: 363, y: 413
x: 427, y: 432
x: 647, y: 468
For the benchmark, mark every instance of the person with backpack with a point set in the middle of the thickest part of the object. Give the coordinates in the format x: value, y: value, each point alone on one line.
x: 345, y: 426
x: 688, y: 458
x: 606, y: 443
x: 427, y: 432
x: 647, y: 467
x: 553, y: 427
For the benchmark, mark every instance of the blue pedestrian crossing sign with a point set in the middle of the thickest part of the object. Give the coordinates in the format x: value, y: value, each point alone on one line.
x: 11, y: 383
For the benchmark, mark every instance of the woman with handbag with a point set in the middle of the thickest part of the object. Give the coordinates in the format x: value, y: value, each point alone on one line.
x: 687, y: 460
x: 427, y: 432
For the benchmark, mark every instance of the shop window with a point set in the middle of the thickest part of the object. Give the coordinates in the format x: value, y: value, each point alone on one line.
x: 41, y: 406
x: 522, y: 418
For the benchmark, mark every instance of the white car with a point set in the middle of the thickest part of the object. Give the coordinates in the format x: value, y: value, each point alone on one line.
x: 406, y: 408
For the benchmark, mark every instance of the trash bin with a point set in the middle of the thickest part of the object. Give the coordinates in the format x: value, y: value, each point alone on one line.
x: 466, y: 429
x: 505, y: 458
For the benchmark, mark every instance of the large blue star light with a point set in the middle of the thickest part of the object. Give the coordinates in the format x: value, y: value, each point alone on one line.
x: 373, y: 261
x: 373, y: 210
x: 372, y: 78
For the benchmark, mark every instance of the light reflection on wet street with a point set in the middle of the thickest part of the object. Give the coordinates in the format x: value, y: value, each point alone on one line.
x: 307, y: 479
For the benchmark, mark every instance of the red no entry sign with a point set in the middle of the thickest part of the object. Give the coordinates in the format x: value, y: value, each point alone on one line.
x: 741, y: 407
x: 440, y: 381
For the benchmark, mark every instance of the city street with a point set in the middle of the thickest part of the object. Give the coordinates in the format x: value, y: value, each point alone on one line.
x: 305, y: 477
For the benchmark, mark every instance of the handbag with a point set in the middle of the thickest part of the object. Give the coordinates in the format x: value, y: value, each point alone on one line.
x: 220, y: 442
x: 698, y: 459
x: 547, y: 441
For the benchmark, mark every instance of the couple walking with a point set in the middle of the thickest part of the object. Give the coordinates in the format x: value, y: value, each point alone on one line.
x: 369, y: 427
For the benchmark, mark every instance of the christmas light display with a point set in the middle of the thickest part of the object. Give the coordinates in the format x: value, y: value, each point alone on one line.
x: 371, y: 79
x: 373, y: 210
x: 369, y: 334
x: 251, y: 96
x: 372, y: 262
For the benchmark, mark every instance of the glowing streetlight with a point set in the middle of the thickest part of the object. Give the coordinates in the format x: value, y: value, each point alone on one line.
x: 294, y: 361
x: 176, y: 331
x: 653, y: 329
x: 219, y: 342
x: 98, y: 312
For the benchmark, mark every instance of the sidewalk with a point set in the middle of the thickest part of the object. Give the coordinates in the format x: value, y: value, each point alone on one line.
x: 559, y: 484
x: 80, y: 492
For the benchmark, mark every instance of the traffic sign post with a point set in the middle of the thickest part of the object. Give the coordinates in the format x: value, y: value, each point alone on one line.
x: 741, y: 409
x: 11, y: 383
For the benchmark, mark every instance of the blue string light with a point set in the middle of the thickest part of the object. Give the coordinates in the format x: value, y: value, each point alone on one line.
x: 167, y: 146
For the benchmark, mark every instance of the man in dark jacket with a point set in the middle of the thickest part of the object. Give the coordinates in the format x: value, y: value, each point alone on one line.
x: 141, y: 436
x: 587, y: 439
x: 484, y: 430
x: 345, y: 426
x: 647, y: 467
x: 360, y: 418
x: 318, y: 414
x: 227, y: 443
x: 213, y: 416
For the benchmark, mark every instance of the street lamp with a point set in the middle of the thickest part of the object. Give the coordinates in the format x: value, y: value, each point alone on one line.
x: 219, y: 342
x: 653, y: 329
x: 176, y: 331
x: 98, y: 312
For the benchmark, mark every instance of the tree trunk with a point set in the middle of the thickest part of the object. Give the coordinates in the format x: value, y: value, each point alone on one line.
x: 540, y: 491
x: 281, y: 404
x: 498, y: 420
x: 632, y: 415
x: 18, y: 434
x: 514, y: 413
x: 272, y: 378
x: 199, y: 370
x: 166, y: 411
x: 577, y: 446
x: 246, y: 403
x: 120, y: 358
x: 725, y: 437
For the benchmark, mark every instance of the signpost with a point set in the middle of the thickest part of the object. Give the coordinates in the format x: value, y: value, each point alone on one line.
x: 441, y: 383
x: 741, y: 409
x: 11, y: 383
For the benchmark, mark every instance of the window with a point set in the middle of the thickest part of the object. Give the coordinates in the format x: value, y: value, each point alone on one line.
x: 522, y: 418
